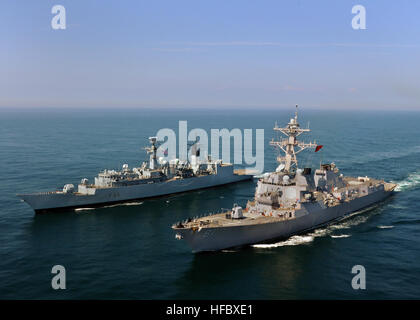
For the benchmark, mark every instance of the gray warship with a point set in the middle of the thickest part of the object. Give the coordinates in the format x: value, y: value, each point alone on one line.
x: 156, y: 178
x: 288, y: 201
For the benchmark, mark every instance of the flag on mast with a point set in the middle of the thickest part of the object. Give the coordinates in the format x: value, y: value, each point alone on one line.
x: 319, y: 147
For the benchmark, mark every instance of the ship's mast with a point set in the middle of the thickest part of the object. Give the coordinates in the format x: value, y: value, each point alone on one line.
x: 152, y: 151
x: 287, y: 145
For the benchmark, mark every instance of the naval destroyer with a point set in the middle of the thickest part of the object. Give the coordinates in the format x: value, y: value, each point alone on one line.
x: 156, y: 178
x: 289, y: 201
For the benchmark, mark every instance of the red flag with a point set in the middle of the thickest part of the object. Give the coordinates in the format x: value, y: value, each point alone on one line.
x: 318, y: 148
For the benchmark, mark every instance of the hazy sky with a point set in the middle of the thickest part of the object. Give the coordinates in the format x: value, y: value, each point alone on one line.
x: 210, y: 53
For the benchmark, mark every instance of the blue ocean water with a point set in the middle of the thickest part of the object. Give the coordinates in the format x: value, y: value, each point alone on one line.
x: 129, y: 251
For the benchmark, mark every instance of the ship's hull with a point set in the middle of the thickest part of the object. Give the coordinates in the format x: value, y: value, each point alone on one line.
x: 311, y: 216
x: 42, y: 202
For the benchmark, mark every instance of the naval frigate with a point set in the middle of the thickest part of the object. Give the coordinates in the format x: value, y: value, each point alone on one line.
x: 289, y: 201
x: 158, y: 177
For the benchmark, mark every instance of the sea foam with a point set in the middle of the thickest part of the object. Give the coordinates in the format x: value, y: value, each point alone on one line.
x: 385, y: 227
x: 349, y: 221
x: 411, y: 182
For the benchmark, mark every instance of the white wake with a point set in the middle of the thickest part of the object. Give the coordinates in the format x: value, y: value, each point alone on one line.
x: 411, y: 182
x: 292, y: 241
x: 134, y: 203
x: 83, y: 209
x: 340, y: 236
x: 385, y: 227
x: 349, y: 221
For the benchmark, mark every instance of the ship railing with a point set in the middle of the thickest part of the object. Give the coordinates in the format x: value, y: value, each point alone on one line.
x: 49, y: 192
x: 280, y: 184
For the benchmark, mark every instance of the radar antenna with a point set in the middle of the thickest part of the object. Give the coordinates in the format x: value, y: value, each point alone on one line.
x: 152, y: 151
x: 287, y: 145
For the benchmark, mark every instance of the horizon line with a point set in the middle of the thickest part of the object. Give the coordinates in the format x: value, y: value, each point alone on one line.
x: 203, y: 107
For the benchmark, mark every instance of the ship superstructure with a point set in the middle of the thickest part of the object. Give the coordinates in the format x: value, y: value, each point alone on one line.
x: 157, y: 177
x: 288, y: 201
